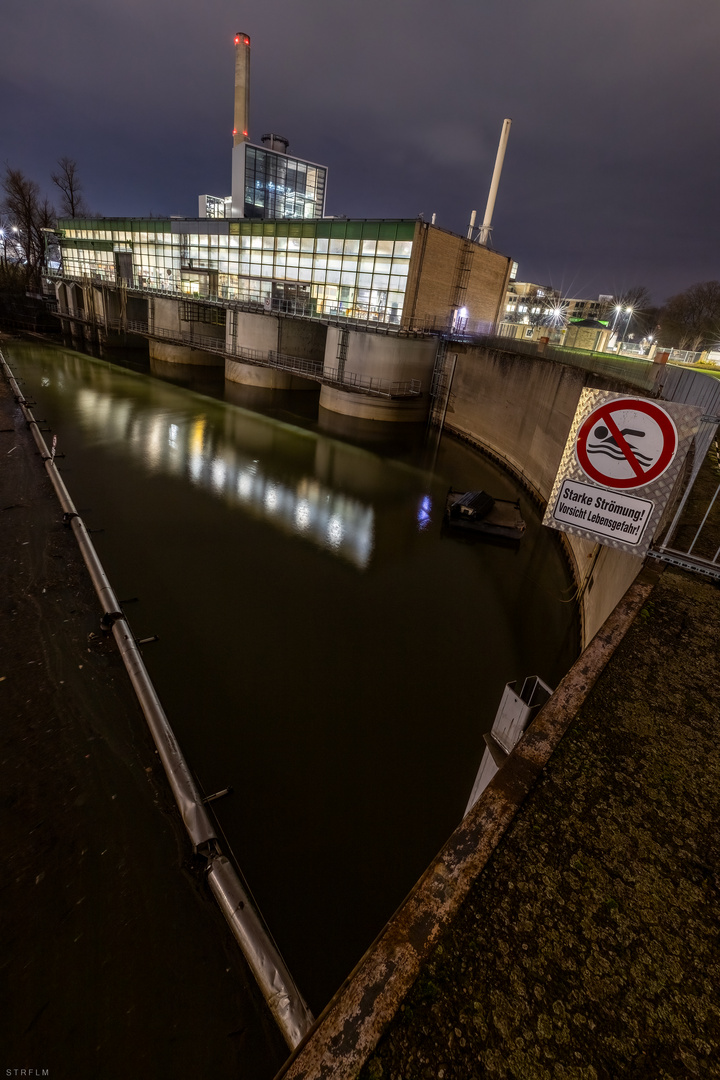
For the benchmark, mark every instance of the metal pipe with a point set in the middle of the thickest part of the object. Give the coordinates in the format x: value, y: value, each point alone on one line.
x: 471, y: 226
x: 282, y: 995
x: 187, y: 796
x: 291, y: 1013
x: 486, y: 226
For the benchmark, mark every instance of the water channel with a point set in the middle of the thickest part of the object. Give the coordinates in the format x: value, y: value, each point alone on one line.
x: 326, y: 647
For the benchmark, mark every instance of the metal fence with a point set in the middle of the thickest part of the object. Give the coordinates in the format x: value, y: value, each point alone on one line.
x: 294, y: 365
x: 692, y: 539
x: 263, y: 305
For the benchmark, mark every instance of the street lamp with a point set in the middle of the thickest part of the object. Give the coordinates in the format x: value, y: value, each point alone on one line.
x: 628, y: 312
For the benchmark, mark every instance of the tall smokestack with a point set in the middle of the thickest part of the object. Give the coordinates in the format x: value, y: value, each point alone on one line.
x: 242, y: 88
x: 486, y: 226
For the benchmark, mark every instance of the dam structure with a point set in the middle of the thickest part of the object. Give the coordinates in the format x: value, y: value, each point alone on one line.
x: 267, y: 286
x: 361, y: 307
x: 383, y: 318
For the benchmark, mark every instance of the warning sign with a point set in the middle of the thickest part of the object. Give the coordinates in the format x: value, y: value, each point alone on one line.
x: 626, y: 443
x: 620, y: 516
x: 621, y: 462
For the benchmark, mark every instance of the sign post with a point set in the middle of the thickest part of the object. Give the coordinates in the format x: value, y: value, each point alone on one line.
x: 621, y: 462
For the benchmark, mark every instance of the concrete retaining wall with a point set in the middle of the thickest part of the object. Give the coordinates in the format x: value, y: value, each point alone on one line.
x: 520, y: 409
x: 269, y: 378
x: 383, y: 356
x: 379, y: 356
x: 183, y: 354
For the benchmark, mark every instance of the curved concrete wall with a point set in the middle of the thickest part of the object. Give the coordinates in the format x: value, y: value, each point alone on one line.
x: 252, y: 331
x: 383, y: 356
x: 520, y: 409
x: 379, y: 356
x: 266, y: 377
x: 367, y: 407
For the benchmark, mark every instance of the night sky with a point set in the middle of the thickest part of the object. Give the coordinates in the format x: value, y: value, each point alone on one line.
x: 611, y: 173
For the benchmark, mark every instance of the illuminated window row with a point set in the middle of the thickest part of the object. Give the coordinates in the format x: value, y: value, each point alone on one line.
x: 348, y: 267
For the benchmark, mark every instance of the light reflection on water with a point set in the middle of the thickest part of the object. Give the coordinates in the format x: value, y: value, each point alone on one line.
x: 346, y: 708
x: 184, y: 447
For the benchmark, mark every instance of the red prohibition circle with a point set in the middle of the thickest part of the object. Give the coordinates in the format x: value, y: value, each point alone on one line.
x: 642, y: 476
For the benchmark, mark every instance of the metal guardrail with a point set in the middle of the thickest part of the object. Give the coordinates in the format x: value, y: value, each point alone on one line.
x: 294, y: 365
x: 260, y: 305
x: 264, y: 960
x: 371, y: 385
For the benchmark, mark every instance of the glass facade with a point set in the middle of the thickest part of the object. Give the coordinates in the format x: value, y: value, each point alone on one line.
x: 358, y: 269
x: 279, y: 186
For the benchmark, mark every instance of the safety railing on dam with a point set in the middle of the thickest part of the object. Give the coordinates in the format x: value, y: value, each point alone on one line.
x: 260, y: 305
x: 374, y: 386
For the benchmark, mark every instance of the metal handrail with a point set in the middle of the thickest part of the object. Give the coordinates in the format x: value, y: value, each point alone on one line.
x: 309, y: 369
x: 371, y: 384
x: 260, y: 305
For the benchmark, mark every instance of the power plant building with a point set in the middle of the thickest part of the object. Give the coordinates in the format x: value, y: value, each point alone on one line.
x: 268, y: 249
x: 266, y: 181
x: 397, y: 272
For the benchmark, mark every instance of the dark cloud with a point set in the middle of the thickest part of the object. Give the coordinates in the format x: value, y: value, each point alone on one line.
x: 611, y: 171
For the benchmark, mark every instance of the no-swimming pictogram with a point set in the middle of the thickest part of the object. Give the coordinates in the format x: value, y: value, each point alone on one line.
x: 626, y: 443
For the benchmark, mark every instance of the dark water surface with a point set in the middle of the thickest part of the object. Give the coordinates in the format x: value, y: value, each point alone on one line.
x: 325, y: 648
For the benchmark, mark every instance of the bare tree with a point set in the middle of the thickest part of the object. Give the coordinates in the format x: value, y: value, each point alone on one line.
x: 67, y: 180
x: 537, y: 307
x: 28, y: 216
x: 643, y: 314
x: 691, y: 319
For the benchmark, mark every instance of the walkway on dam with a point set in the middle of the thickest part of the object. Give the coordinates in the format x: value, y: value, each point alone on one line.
x: 588, y: 947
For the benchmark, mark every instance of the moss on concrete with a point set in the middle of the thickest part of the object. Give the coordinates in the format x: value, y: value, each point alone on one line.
x: 588, y: 948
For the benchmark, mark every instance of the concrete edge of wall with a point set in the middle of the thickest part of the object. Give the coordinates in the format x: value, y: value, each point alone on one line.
x: 537, y: 497
x: 351, y: 1025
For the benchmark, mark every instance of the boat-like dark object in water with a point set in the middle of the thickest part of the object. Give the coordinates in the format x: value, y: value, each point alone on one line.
x: 476, y: 511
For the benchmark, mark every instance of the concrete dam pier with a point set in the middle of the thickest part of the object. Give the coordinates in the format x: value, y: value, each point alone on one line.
x: 381, y: 373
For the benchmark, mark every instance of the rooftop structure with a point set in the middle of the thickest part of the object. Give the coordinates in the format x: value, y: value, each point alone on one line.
x: 266, y: 181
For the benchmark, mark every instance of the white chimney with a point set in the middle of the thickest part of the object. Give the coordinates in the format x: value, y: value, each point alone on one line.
x: 486, y: 226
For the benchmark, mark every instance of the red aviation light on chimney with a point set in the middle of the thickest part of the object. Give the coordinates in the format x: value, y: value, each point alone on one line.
x: 237, y: 39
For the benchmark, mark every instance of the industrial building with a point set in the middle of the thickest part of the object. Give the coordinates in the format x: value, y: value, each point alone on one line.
x: 268, y: 250
x: 400, y: 272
